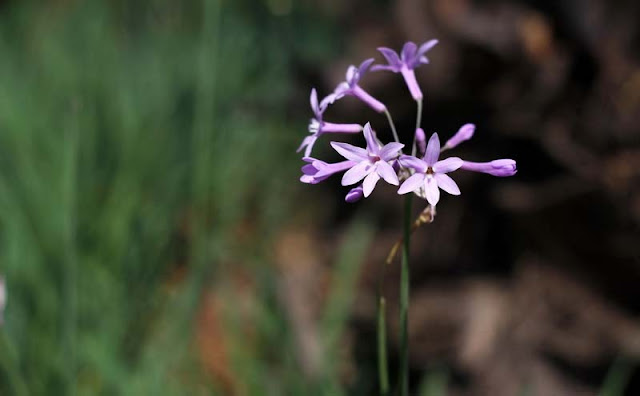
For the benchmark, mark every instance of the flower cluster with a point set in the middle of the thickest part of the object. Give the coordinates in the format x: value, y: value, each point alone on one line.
x: 422, y: 172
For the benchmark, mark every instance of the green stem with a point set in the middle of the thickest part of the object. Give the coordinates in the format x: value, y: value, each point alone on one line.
x: 383, y: 374
x: 418, y: 122
x: 404, y: 300
x: 392, y: 125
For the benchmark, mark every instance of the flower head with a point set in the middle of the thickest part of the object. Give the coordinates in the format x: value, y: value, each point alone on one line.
x: 317, y: 126
x: 410, y: 57
x: 430, y: 174
x: 351, y: 87
x: 370, y: 164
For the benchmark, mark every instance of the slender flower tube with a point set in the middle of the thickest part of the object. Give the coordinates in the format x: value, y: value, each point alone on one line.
x: 464, y: 133
x: 317, y: 126
x: 410, y: 57
x: 351, y: 87
x: 430, y: 174
x: 371, y: 164
x: 316, y: 170
x: 421, y: 141
x: 355, y: 194
x: 499, y: 167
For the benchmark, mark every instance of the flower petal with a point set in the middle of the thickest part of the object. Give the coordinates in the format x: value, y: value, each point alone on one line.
x: 307, y: 142
x: 350, y: 152
x: 357, y: 173
x: 408, y: 52
x: 409, y: 161
x: 376, y: 68
x: 386, y: 171
x: 391, y: 56
x: 370, y: 183
x: 412, y: 183
x: 364, y: 66
x: 447, y: 165
x: 432, y: 191
x: 314, y: 101
x: 433, y: 150
x: 390, y: 151
x: 372, y: 142
x: 352, y: 74
x: 426, y: 47
x: 447, y: 184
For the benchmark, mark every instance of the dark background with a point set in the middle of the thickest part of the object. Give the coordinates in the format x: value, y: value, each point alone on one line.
x: 154, y: 237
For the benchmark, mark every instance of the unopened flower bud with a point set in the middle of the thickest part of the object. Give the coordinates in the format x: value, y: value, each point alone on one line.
x: 355, y: 194
x: 464, y: 133
x: 500, y: 167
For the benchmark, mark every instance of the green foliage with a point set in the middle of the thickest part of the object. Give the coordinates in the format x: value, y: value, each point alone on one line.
x: 135, y: 138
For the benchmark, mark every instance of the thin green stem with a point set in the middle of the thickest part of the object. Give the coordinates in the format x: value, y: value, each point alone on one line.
x: 392, y: 125
x: 418, y: 123
x: 383, y: 374
x: 404, y: 300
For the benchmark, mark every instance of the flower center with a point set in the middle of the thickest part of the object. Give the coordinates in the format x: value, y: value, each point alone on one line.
x: 374, y: 158
x: 429, y: 171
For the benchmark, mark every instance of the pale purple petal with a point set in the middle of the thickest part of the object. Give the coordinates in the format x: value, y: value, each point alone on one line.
x: 426, y: 47
x: 364, y: 66
x: 370, y: 183
x: 352, y: 76
x: 314, y: 101
x: 447, y: 184
x: 372, y: 143
x: 386, y: 171
x: 433, y: 150
x: 325, y: 169
x: 408, y: 52
x: 391, y: 57
x: 341, y: 90
x: 432, y: 191
x: 413, y: 183
x: 354, y: 195
x: 308, y: 142
x: 447, y: 165
x: 357, y: 173
x: 409, y: 161
x: 390, y: 151
x: 350, y: 152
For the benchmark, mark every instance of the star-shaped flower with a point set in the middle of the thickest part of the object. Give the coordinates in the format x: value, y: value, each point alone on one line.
x: 351, y: 87
x: 317, y: 126
x: 410, y: 57
x: 430, y: 173
x: 371, y: 164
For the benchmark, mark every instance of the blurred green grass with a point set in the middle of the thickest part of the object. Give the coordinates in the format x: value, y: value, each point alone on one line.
x: 135, y: 138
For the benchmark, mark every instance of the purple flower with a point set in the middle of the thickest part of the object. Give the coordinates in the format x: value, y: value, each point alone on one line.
x: 316, y: 170
x: 351, y: 87
x: 371, y: 164
x: 410, y: 58
x: 355, y: 194
x: 430, y: 173
x: 464, y: 133
x: 499, y: 167
x: 317, y: 126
